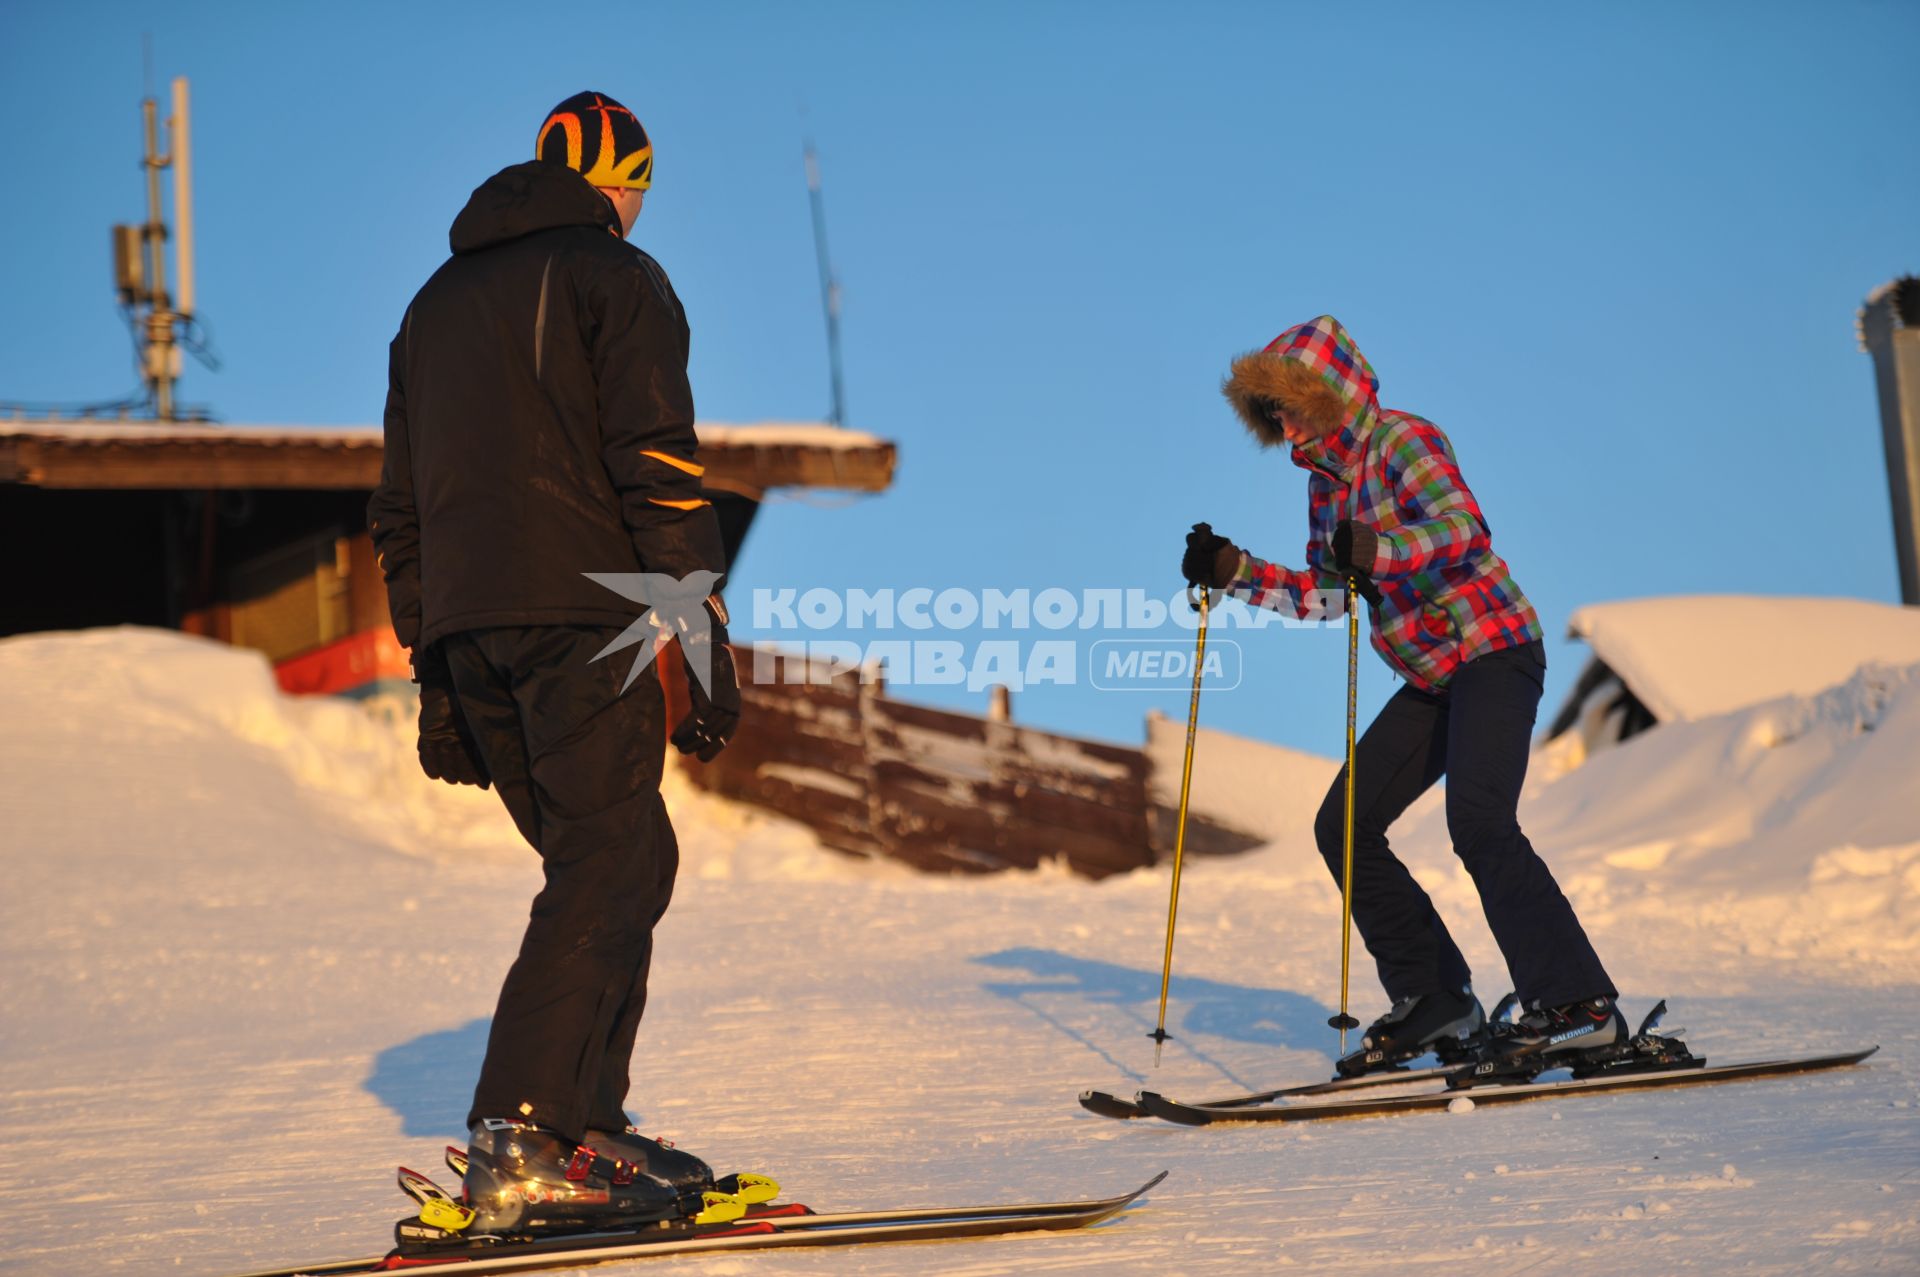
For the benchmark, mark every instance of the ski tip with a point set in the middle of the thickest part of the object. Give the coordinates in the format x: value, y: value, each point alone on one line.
x: 1152, y: 1183
x: 1169, y: 1110
x: 1107, y: 1104
x: 1845, y: 1057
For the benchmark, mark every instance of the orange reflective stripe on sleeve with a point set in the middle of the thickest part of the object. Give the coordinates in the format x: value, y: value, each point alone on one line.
x: 688, y: 467
x: 680, y: 505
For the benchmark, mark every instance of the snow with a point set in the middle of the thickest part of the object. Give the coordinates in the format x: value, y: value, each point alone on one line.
x: 1696, y: 656
x: 250, y: 954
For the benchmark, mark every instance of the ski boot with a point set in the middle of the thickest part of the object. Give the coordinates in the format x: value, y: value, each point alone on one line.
x: 656, y: 1158
x: 1583, y: 1036
x: 1645, y: 1052
x: 1444, y: 1023
x: 523, y: 1179
x: 628, y: 1152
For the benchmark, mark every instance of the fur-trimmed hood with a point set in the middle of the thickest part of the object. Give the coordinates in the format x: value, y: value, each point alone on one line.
x: 1314, y: 371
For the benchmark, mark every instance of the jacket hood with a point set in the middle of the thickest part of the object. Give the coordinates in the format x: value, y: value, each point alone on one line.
x: 1315, y: 371
x: 529, y: 197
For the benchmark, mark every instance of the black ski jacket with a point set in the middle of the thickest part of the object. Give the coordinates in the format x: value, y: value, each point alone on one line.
x: 539, y: 424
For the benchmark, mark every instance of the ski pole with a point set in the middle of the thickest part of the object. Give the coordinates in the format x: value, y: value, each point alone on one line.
x: 1159, y: 1034
x: 1344, y: 1021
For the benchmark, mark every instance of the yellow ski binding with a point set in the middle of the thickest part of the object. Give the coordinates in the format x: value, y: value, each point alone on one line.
x: 437, y: 1207
x: 445, y: 1215
x: 720, y: 1208
x: 754, y: 1190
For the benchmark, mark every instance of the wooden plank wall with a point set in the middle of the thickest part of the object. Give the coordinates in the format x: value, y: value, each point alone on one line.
x: 942, y: 791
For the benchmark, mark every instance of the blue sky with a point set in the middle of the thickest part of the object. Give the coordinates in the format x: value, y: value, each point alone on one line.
x: 1615, y: 251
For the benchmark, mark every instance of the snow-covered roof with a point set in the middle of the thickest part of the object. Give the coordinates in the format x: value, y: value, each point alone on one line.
x: 807, y: 434
x: 80, y: 453
x: 85, y: 430
x: 1694, y: 656
x: 802, y: 434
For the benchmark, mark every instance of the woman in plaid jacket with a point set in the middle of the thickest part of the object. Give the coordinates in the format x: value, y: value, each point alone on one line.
x: 1385, y: 498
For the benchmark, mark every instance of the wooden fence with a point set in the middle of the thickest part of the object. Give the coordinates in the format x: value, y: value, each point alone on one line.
x: 943, y: 791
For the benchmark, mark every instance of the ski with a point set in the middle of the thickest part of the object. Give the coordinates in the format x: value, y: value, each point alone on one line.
x: 1497, y: 1093
x: 1109, y: 1104
x: 758, y: 1231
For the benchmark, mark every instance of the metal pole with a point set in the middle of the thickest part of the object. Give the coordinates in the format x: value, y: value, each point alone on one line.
x: 159, y: 324
x: 829, y: 286
x: 1159, y: 1034
x: 1344, y: 1021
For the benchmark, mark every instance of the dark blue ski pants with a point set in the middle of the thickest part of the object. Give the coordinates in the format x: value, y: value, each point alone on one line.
x: 1477, y: 734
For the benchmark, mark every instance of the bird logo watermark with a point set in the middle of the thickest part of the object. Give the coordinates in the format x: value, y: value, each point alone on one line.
x: 674, y: 608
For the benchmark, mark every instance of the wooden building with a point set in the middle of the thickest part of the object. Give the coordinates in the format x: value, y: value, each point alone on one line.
x: 256, y: 535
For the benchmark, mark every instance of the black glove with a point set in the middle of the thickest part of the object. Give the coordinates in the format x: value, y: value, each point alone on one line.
x: 715, y: 715
x: 1354, y: 547
x: 448, y: 750
x: 1210, y: 560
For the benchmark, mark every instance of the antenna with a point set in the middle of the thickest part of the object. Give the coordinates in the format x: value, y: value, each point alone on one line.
x: 829, y: 286
x: 163, y: 321
x: 182, y: 197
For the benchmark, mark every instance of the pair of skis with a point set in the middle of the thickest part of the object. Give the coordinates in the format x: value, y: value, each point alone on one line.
x: 1112, y: 1104
x: 761, y: 1228
x: 1321, y: 1100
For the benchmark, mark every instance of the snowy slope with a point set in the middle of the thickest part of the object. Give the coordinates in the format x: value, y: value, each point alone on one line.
x: 249, y: 954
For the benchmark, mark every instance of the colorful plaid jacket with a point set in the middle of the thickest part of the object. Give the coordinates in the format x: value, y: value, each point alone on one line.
x: 1446, y: 596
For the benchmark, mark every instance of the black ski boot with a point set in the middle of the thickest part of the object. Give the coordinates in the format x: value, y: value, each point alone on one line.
x: 655, y: 1158
x: 627, y: 1152
x: 1445, y: 1023
x: 523, y: 1179
x: 1584, y: 1036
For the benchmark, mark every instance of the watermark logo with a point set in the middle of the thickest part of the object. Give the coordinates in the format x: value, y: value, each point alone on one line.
x: 1153, y: 665
x: 956, y: 637
x: 675, y: 607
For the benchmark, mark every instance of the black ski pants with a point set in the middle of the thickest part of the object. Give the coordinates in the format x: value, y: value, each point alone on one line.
x: 1476, y: 733
x: 578, y: 764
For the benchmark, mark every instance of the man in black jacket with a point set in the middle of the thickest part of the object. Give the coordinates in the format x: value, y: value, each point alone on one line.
x: 539, y: 427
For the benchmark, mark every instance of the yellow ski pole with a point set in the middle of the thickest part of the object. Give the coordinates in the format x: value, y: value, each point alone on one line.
x: 1344, y: 1021
x: 1159, y: 1034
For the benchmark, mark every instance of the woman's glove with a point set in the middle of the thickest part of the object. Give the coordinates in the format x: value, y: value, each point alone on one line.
x: 1354, y: 547
x: 1211, y: 560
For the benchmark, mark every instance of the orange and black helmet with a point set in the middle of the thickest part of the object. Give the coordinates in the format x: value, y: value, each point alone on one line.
x: 599, y: 139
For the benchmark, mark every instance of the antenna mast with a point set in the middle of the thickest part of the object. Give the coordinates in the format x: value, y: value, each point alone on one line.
x: 829, y: 285
x: 140, y: 260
